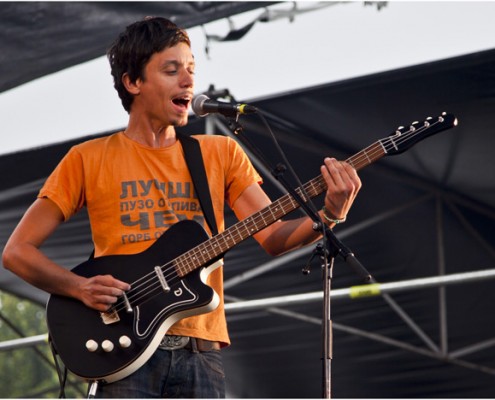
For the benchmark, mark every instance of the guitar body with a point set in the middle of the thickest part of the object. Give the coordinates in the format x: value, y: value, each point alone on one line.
x: 73, y: 327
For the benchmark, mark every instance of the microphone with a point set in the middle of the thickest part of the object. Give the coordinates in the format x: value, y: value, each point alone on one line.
x: 202, y: 105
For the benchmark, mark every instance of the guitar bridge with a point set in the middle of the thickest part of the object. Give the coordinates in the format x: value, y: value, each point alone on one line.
x: 110, y: 317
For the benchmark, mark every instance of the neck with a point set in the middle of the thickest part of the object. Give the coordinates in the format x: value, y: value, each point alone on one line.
x: 151, y: 136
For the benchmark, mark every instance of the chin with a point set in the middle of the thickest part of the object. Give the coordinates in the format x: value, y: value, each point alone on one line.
x: 180, y: 121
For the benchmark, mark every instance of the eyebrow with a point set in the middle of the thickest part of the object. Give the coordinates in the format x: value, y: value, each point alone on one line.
x: 176, y: 63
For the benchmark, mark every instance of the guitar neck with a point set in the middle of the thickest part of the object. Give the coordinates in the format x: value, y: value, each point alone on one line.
x: 221, y: 243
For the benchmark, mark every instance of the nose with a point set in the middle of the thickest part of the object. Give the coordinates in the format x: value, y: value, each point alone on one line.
x: 187, y: 79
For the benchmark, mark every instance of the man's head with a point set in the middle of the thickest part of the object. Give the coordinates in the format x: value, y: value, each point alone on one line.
x: 135, y: 46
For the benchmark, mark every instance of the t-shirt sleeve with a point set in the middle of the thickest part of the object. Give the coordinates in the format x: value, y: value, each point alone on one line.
x: 240, y: 174
x: 65, y: 185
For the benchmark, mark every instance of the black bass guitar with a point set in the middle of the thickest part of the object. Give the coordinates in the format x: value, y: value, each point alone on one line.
x: 168, y: 279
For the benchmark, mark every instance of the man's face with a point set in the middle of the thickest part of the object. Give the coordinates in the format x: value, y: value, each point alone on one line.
x: 166, y: 90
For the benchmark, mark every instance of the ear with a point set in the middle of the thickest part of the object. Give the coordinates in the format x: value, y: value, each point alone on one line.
x: 133, y: 87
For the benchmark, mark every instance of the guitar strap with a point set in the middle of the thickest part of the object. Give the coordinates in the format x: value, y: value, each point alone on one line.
x: 195, y: 163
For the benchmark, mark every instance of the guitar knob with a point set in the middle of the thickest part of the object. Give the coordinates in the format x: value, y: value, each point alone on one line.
x: 125, y: 342
x: 91, y: 345
x: 107, y: 346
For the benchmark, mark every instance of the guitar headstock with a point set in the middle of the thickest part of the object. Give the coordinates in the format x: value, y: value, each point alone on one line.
x: 405, y: 137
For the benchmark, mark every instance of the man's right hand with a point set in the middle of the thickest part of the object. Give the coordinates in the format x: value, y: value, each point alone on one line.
x: 101, y: 291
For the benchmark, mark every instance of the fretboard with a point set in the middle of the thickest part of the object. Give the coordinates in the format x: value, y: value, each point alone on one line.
x: 221, y: 243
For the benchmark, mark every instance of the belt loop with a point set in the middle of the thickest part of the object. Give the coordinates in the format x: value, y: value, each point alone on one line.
x: 194, y: 345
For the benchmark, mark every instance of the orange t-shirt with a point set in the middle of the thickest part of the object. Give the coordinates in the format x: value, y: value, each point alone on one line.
x: 133, y: 193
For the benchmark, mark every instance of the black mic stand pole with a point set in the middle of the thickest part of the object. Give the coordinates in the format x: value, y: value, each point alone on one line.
x: 327, y: 253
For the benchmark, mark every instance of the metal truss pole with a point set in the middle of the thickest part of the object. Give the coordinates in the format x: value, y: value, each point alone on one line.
x: 354, y: 292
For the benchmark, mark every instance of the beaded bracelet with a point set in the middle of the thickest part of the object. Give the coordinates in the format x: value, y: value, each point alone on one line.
x: 332, y: 220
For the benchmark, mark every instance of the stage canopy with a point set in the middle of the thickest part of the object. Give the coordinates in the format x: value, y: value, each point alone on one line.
x: 427, y: 213
x: 45, y: 37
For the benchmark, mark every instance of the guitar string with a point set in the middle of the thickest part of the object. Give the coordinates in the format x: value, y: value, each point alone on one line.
x: 398, y: 139
x: 363, y: 158
x: 390, y: 145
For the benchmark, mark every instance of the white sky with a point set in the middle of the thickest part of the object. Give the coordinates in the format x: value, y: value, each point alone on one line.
x: 338, y: 42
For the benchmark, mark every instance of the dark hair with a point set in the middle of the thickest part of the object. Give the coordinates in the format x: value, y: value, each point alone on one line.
x: 134, y: 47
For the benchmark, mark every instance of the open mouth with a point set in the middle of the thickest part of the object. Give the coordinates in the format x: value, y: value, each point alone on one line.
x: 182, y: 102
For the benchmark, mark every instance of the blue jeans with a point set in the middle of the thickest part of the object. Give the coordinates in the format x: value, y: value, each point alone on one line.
x: 172, y: 373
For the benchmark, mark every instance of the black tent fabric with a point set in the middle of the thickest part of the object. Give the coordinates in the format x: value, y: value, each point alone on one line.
x: 40, y: 38
x: 429, y: 212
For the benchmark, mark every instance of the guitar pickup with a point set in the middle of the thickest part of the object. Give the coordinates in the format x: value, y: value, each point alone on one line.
x: 161, y: 278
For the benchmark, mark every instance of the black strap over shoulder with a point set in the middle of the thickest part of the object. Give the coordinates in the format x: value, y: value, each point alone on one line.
x: 194, y: 160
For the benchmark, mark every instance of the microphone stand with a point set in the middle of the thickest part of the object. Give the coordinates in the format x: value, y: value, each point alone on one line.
x: 327, y: 252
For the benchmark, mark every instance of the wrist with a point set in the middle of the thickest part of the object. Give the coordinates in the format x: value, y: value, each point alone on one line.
x: 330, y: 218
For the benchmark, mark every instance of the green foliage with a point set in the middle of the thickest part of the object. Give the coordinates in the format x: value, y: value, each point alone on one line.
x: 29, y: 372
